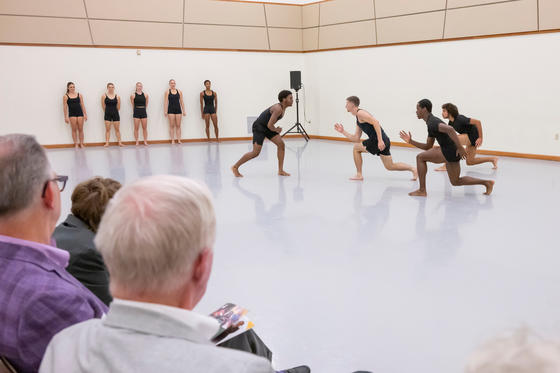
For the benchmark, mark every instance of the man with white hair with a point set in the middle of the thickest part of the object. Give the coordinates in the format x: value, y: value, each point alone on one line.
x: 156, y: 238
x: 38, y: 298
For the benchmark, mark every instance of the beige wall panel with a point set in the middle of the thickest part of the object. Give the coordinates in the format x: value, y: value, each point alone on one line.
x: 310, y: 15
x: 283, y: 15
x: 224, y: 13
x: 285, y: 39
x: 14, y: 29
x: 139, y: 10
x: 340, y: 11
x: 388, y: 8
x: 136, y: 33
x: 549, y: 14
x: 226, y: 37
x: 462, y: 3
x: 310, y: 39
x: 347, y: 35
x: 425, y: 26
x: 58, y: 8
x: 515, y: 16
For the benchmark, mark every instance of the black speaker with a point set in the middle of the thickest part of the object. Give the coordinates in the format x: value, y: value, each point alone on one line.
x: 295, y: 80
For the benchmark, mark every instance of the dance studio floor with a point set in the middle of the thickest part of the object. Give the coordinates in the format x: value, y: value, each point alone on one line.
x: 346, y: 276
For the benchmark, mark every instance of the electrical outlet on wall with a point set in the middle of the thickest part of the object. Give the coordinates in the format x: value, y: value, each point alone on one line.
x: 556, y: 137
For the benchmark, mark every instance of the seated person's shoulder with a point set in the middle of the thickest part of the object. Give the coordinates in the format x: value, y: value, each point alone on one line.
x: 239, y: 361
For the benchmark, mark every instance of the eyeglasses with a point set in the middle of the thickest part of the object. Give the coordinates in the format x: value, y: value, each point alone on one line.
x: 60, y: 182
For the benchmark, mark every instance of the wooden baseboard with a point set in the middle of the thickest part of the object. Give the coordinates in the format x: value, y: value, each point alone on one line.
x: 480, y: 151
x: 152, y: 142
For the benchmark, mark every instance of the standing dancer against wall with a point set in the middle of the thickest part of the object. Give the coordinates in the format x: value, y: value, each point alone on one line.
x: 174, y: 108
x: 139, y: 101
x: 111, y: 103
x: 210, y: 100
x: 74, y: 113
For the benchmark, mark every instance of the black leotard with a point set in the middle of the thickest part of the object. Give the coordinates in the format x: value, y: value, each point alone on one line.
x: 448, y: 147
x: 260, y: 127
x: 209, y: 103
x: 462, y: 124
x: 371, y: 143
x: 111, y: 111
x: 74, y: 106
x: 174, y: 106
x: 139, y: 106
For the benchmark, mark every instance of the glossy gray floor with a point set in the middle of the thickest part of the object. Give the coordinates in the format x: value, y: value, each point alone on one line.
x: 345, y: 275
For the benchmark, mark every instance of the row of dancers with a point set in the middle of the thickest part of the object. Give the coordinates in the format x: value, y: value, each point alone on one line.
x: 75, y: 113
x: 452, y: 139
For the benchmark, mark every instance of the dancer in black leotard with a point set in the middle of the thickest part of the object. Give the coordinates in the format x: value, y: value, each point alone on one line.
x: 470, y: 134
x: 378, y: 142
x: 173, y: 109
x: 139, y: 101
x: 264, y: 127
x: 74, y: 113
x: 111, y: 104
x: 209, y: 99
x: 450, y: 151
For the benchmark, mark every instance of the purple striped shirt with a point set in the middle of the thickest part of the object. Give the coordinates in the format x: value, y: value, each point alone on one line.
x: 38, y: 298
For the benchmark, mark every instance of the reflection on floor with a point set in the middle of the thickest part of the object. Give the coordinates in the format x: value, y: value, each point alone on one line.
x: 343, y: 275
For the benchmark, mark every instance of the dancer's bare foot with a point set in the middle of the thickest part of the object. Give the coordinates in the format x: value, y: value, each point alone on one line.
x: 172, y: 142
x: 495, y: 163
x: 489, y: 187
x: 106, y: 144
x: 414, y: 175
x: 82, y: 145
x: 418, y: 193
x: 442, y: 168
x: 145, y: 143
x: 179, y: 142
x: 217, y: 139
x: 121, y: 144
x: 236, y: 172
x: 137, y: 142
x: 283, y: 173
x: 76, y: 146
x: 358, y: 177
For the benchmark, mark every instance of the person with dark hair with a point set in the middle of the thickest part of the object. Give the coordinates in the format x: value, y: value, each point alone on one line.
x: 173, y: 109
x: 208, y: 108
x: 378, y: 142
x: 470, y: 135
x: 74, y: 113
x: 263, y: 127
x: 77, y: 232
x: 450, y: 151
x: 139, y: 102
x: 111, y: 103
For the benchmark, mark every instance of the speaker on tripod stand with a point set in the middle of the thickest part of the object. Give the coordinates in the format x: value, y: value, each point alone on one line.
x: 295, y: 84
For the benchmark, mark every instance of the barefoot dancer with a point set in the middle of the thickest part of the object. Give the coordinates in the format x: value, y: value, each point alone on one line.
x: 139, y: 101
x: 208, y: 108
x: 377, y: 144
x: 470, y: 130
x: 264, y: 127
x: 75, y: 113
x: 111, y: 103
x: 450, y: 151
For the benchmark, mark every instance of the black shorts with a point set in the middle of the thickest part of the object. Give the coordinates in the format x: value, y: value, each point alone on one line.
x: 174, y: 110
x: 260, y: 132
x: 371, y: 147
x: 473, y: 136
x: 450, y: 154
x: 112, y: 116
x: 140, y: 112
x: 209, y: 110
x: 75, y: 113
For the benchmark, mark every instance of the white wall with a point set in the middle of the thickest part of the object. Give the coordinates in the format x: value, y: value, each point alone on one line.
x: 510, y: 84
x: 33, y: 82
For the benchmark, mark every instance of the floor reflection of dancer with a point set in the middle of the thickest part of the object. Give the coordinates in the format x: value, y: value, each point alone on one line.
x: 450, y: 151
x: 111, y: 103
x: 378, y: 142
x: 470, y: 135
x: 139, y: 102
x: 263, y: 127
x: 209, y: 108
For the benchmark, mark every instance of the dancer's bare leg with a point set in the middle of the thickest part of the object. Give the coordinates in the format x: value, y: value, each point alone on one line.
x: 215, y: 123
x: 454, y: 172
x: 178, y: 118
x: 144, y: 122
x: 107, y: 132
x: 118, y: 132
x: 472, y: 159
x: 246, y: 157
x: 136, y: 127
x: 207, y: 122
x: 74, y: 128
x: 391, y: 166
x: 81, y: 131
x: 433, y: 155
x: 171, y: 119
x: 464, y: 139
x: 358, y: 150
x: 281, y: 152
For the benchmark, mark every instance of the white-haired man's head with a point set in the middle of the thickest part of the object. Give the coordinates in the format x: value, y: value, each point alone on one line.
x: 156, y: 238
x: 519, y: 352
